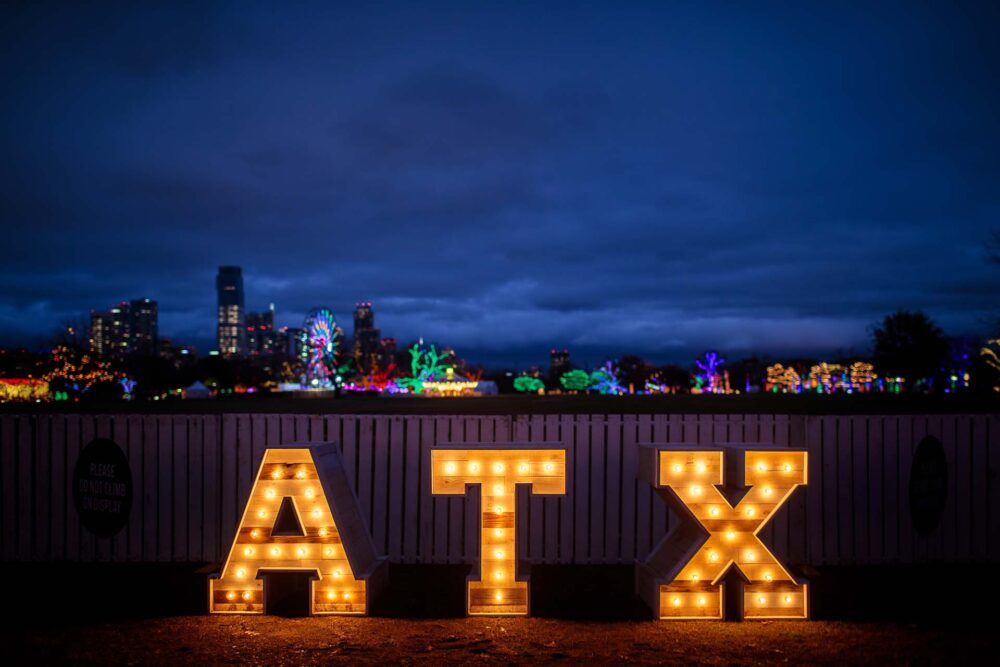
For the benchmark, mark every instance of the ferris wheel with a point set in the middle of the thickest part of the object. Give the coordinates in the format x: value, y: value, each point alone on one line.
x: 321, y: 344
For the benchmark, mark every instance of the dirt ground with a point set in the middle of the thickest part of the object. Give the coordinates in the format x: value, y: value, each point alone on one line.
x: 368, y: 641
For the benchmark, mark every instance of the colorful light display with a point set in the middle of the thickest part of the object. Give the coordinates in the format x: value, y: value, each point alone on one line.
x: 528, y: 384
x: 605, y: 381
x: 575, y: 380
x: 425, y: 366
x: 496, y: 589
x: 682, y: 578
x: 301, y: 516
x: 23, y: 389
x: 322, y: 348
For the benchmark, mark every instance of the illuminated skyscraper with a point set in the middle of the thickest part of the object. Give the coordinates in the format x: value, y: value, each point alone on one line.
x: 143, y: 327
x: 231, y: 324
x: 367, y: 339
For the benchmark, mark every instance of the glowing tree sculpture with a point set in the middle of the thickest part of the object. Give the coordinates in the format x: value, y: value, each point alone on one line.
x: 575, y: 380
x: 321, y: 348
x: 528, y: 384
x: 425, y: 365
x: 710, y: 377
x: 605, y: 380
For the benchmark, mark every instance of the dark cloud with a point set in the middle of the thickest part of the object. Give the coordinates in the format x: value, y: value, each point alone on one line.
x: 656, y: 180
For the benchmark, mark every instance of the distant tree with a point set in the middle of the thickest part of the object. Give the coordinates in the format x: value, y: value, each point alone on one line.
x: 909, y: 345
x: 673, y: 376
x: 634, y: 371
x: 73, y: 333
x: 575, y: 380
x: 528, y: 384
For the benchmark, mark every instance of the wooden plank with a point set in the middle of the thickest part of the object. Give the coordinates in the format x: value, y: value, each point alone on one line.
x: 119, y: 544
x: 396, y: 516
x: 103, y: 429
x: 645, y: 498
x: 42, y: 473
x: 260, y: 432
x: 629, y: 487
x: 659, y: 513
x: 781, y: 522
x: 73, y: 435
x: 150, y: 493
x: 25, y: 491
x: 597, y: 491
x: 906, y: 443
x: 550, y: 551
x: 993, y: 464
x: 845, y: 489
x: 245, y: 472
x: 60, y: 517
x: 349, y: 428
x: 536, y: 503
x: 229, y: 477
x: 581, y: 475
x: 211, y: 498
x: 88, y: 542
x: 797, y: 510
x: 947, y: 537
x: 612, y: 489
x: 427, y: 501
x: 567, y: 503
x: 765, y: 437
x: 181, y: 478
x: 471, y: 502
x: 814, y: 490
x: 830, y: 526
x: 457, y: 505
x: 442, y: 504
x: 317, y: 429
x: 964, y: 483
x: 979, y: 493
x: 366, y: 452
x: 890, y: 491
x: 9, y: 481
x: 135, y: 528
x: 302, y: 433
x: 195, y: 489
x: 413, y: 489
x: 165, y: 490
x: 380, y: 482
x: 862, y: 486
x: 876, y: 490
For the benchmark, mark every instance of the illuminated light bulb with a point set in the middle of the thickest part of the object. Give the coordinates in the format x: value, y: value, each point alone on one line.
x: 751, y: 555
x: 498, y: 532
x: 714, y: 511
x: 302, y: 551
x: 695, y: 577
x: 498, y: 574
x: 701, y: 602
x: 262, y: 513
x: 498, y: 553
x: 322, y: 532
x: 449, y: 468
x: 330, y: 595
x: 338, y: 573
x: 750, y: 511
x: 788, y: 598
x: 761, y: 467
x: 347, y: 596
x: 301, y: 474
x: 241, y: 573
x: 788, y: 467
x: 730, y: 535
x: 246, y: 595
x: 677, y: 602
x: 549, y: 466
x: 276, y: 474
x: 768, y: 577
x: 275, y: 551
x: 498, y: 467
x: 523, y: 468
x: 762, y: 599
x: 498, y: 596
x: 270, y: 493
x: 498, y: 489
x: 473, y: 467
x: 767, y: 490
x: 230, y: 595
x: 254, y: 533
x: 310, y: 494
x: 330, y: 551
x: 700, y: 467
x: 712, y: 556
x: 498, y: 510
x: 678, y: 467
x: 317, y: 512
x: 695, y: 490
x: 248, y: 551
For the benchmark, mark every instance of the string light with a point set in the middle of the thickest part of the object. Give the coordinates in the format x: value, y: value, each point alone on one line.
x: 523, y: 468
x: 270, y: 493
x: 549, y: 466
x: 497, y: 467
x: 449, y: 468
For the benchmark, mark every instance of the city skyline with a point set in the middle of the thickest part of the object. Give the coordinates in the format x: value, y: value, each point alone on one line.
x: 673, y: 180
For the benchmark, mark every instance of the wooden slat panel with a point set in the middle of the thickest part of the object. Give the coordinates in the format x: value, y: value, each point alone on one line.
x: 964, y: 512
x: 890, y: 491
x: 25, y: 492
x: 660, y: 514
x: 831, y: 515
x: 42, y: 474
x: 598, y: 470
x: 845, y: 490
x: 8, y: 478
x: 181, y: 478
x: 413, y: 489
x: 629, y: 488
x: 876, y: 490
x: 195, y: 489
x: 581, y: 475
x: 979, y: 495
x: 136, y: 451
x: 550, y: 433
x: 102, y: 429
x: 612, y: 515
x: 797, y: 510
x: 397, y: 490
x: 211, y: 498
x: 164, y: 487
x: 536, y: 504
x: 781, y: 521
x: 993, y: 515
x: 88, y: 542
x: 150, y: 494
x: 862, y: 487
x: 427, y: 501
x: 229, y: 515
x: 380, y: 484
x: 906, y: 443
x: 442, y: 505
x: 645, y: 497
x: 814, y: 490
x: 471, y: 502
x: 567, y: 503
x: 119, y: 433
x: 366, y: 458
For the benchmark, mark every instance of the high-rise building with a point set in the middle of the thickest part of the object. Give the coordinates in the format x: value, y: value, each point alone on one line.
x: 100, y: 334
x: 231, y: 332
x: 261, y: 336
x: 143, y: 327
x: 367, y: 339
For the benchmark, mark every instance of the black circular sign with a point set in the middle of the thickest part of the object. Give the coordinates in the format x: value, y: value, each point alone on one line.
x: 102, y: 487
x: 928, y: 485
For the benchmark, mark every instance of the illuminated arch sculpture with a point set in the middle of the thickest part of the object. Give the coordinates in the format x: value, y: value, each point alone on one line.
x: 683, y: 577
x: 495, y: 588
x: 301, y: 516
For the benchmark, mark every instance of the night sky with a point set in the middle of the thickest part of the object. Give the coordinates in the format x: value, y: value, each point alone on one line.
x: 658, y: 180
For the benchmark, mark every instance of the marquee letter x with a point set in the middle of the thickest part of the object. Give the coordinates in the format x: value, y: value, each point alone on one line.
x: 682, y: 578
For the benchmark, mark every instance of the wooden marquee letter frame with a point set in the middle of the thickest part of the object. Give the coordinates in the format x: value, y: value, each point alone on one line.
x: 683, y: 576
x: 301, y: 516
